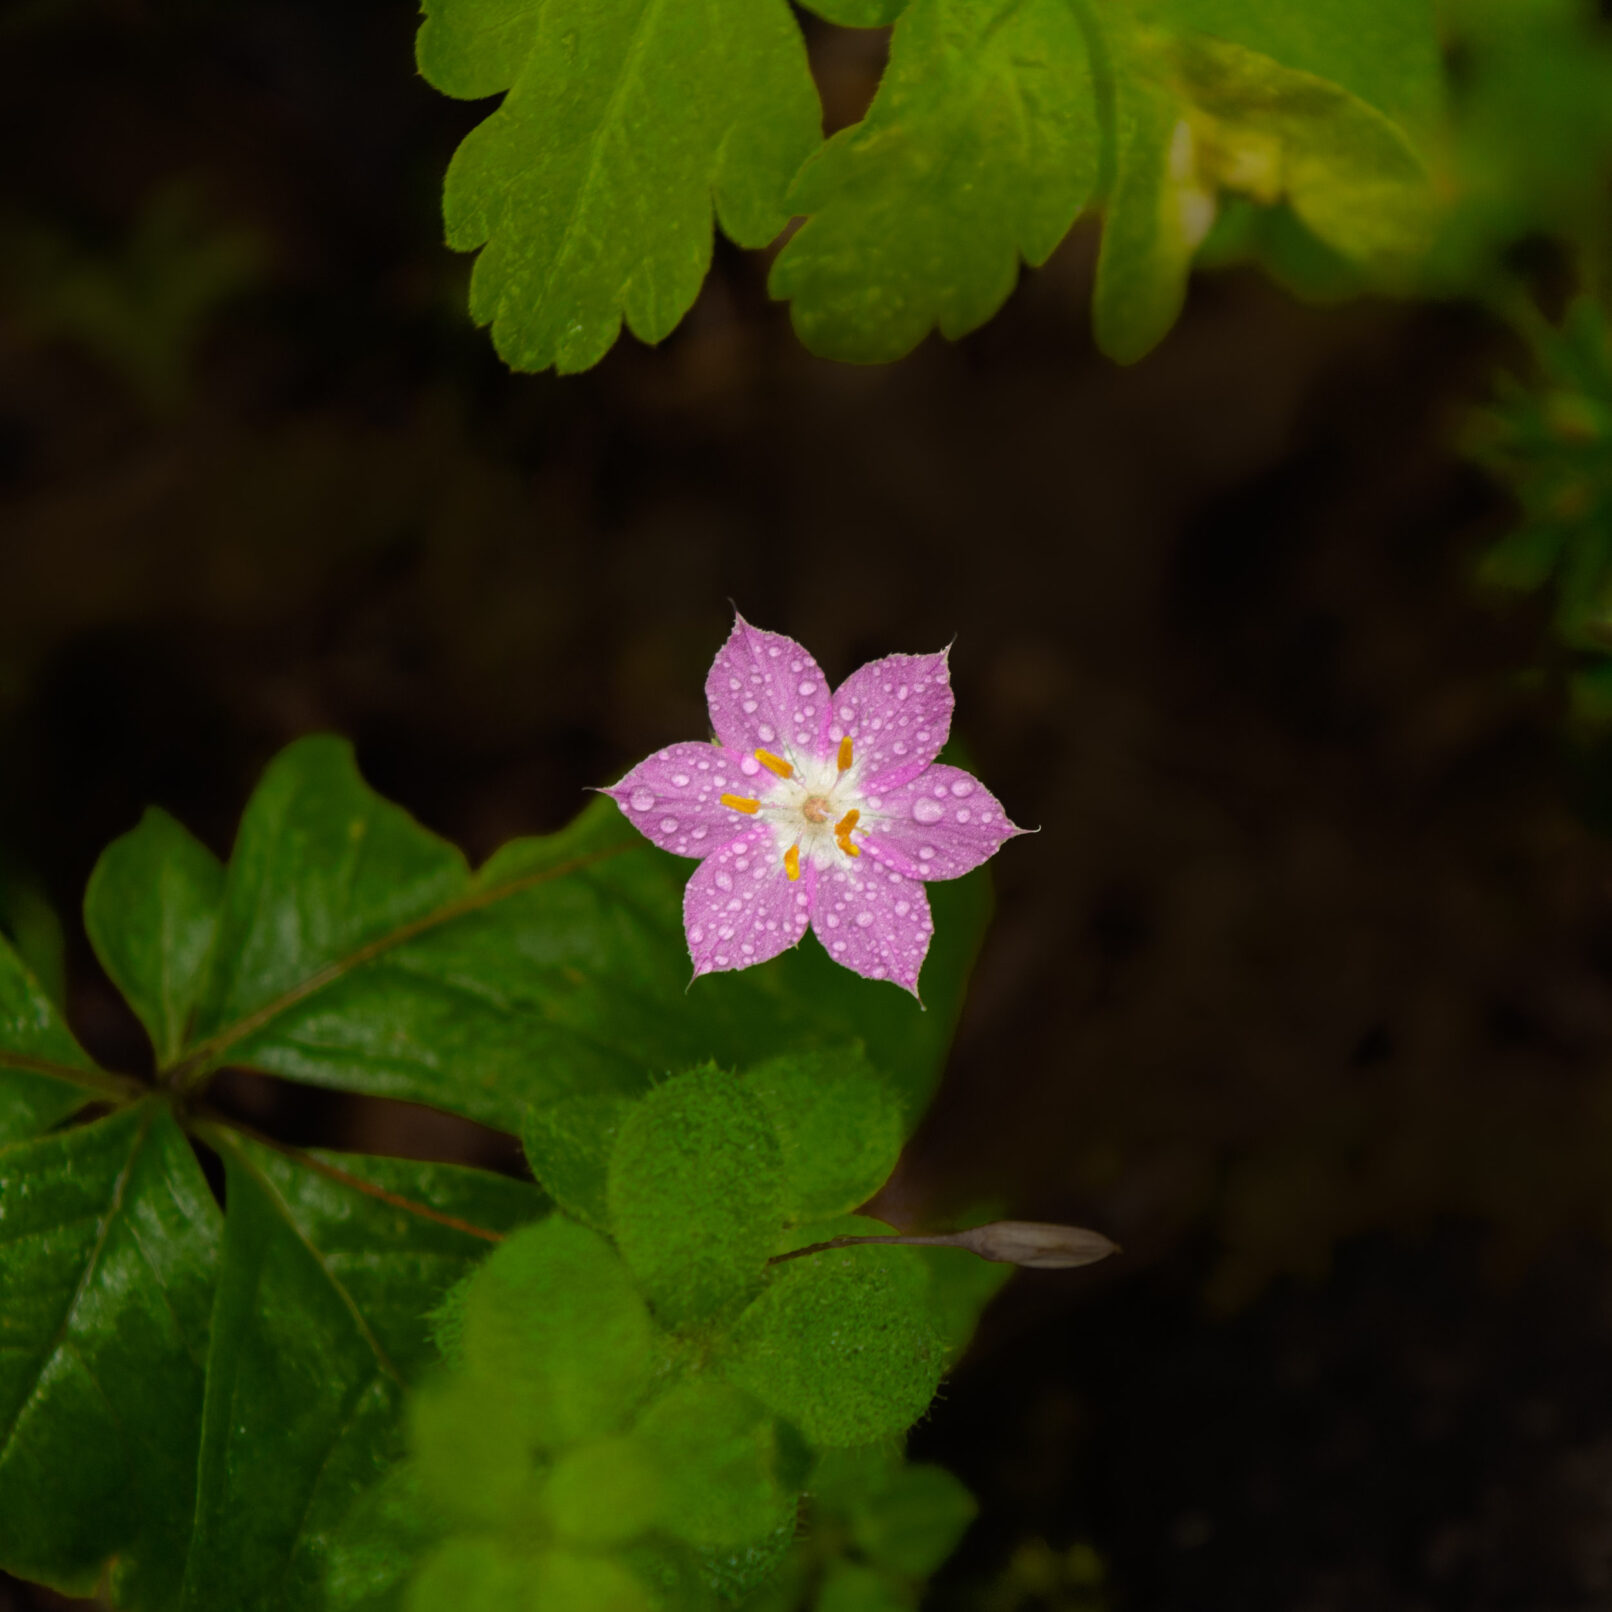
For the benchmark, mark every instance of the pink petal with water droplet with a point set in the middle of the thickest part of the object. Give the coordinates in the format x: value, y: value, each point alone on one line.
x: 874, y: 927
x: 741, y: 908
x: 894, y: 734
x: 766, y: 693
x: 674, y: 797
x: 941, y: 825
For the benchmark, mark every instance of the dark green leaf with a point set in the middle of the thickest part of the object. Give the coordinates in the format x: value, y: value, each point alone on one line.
x: 151, y: 909
x: 857, y: 13
x: 111, y: 1243
x: 300, y: 1416
x: 38, y: 1056
x: 591, y: 189
x: 392, y: 1258
x: 357, y: 950
x: 980, y: 148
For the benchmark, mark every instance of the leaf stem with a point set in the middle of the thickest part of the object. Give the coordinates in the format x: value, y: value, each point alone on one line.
x: 105, y: 1082
x: 210, y: 1122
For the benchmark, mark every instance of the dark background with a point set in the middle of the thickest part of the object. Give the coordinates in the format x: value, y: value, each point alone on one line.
x: 1302, y: 992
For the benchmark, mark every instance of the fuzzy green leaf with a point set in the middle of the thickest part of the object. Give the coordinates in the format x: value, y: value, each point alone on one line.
x: 110, y: 1243
x: 912, y: 1521
x: 591, y: 189
x: 301, y: 1410
x: 696, y: 1194
x: 357, y: 950
x: 150, y: 910
x: 568, y: 1145
x: 44, y: 1073
x: 980, y: 148
x: 840, y: 1124
x: 843, y: 1344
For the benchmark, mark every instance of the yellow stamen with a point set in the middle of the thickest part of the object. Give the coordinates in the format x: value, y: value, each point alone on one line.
x: 847, y: 823
x: 792, y: 863
x: 845, y: 753
x: 740, y: 804
x: 846, y: 846
x: 774, y: 763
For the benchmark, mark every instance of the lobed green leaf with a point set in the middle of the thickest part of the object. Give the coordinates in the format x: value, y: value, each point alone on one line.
x: 591, y: 190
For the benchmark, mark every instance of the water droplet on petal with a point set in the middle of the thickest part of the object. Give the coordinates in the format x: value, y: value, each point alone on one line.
x: 749, y: 766
x: 926, y: 853
x: 903, y: 908
x: 808, y: 688
x: 668, y: 825
x: 749, y: 707
x: 724, y: 881
x: 680, y: 780
x: 642, y: 799
x: 963, y: 786
x: 928, y: 811
x: 765, y: 732
x: 863, y: 919
x: 964, y: 814
x: 903, y: 692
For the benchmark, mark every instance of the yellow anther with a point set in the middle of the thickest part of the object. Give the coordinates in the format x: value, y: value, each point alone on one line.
x: 845, y: 753
x: 740, y: 804
x: 846, y: 846
x: 847, y: 823
x: 792, y: 863
x: 774, y: 763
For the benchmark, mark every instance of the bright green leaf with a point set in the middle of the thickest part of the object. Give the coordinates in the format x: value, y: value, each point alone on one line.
x: 554, y: 1319
x: 110, y: 1244
x: 1385, y: 52
x: 718, y: 1449
x: 850, y: 1586
x: 591, y: 189
x: 980, y: 148
x: 696, y: 1194
x: 300, y: 1416
x: 857, y: 13
x: 913, y: 1521
x: 150, y: 910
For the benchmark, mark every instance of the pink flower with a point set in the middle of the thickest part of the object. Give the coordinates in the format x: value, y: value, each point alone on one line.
x: 819, y: 809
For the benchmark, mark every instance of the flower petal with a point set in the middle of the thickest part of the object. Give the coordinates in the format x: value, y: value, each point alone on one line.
x: 873, y: 920
x: 674, y: 796
x: 766, y: 693
x: 940, y: 825
x: 741, y: 908
x: 897, y: 712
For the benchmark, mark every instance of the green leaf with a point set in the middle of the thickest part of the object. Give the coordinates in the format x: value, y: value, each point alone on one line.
x: 553, y: 1320
x: 591, y: 189
x: 301, y: 1410
x: 840, y: 1125
x: 378, y: 1547
x: 858, y: 13
x: 913, y: 1521
x: 718, y: 1448
x: 44, y: 1072
x: 1385, y: 52
x: 391, y: 1255
x: 696, y: 1195
x: 356, y: 950
x: 568, y: 1145
x: 150, y: 910
x: 980, y: 148
x: 842, y: 1344
x: 111, y: 1243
